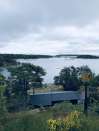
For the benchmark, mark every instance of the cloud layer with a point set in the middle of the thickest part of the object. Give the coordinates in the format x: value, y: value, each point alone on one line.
x: 49, y: 27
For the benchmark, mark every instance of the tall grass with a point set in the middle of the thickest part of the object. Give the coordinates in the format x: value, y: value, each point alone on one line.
x: 37, y: 121
x: 29, y: 122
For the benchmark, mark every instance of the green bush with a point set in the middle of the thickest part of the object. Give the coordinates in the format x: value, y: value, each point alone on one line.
x: 74, y: 121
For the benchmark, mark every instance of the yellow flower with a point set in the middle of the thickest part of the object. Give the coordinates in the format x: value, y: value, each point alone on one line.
x: 71, y: 121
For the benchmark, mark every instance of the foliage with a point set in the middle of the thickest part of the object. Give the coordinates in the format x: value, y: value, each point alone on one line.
x: 27, y: 71
x: 2, y: 101
x: 28, y: 121
x: 74, y: 121
x: 33, y: 120
x: 3, y: 111
x: 94, y: 90
x: 5, y: 60
x: 95, y: 81
x: 70, y: 78
x: 21, y: 77
x: 23, y: 74
x: 70, y: 122
x: 64, y: 108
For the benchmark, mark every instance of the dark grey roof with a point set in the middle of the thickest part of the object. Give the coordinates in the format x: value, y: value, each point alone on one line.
x: 50, y: 97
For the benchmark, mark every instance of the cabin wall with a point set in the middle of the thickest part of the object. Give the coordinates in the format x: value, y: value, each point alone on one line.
x: 46, y: 99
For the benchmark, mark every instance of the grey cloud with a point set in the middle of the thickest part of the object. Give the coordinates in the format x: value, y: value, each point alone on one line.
x: 22, y: 15
x: 19, y: 18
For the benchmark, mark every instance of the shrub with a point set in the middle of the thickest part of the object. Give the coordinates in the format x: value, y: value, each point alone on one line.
x: 74, y: 121
x: 70, y: 122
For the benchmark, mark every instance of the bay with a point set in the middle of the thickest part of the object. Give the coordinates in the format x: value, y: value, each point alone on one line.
x: 53, y: 66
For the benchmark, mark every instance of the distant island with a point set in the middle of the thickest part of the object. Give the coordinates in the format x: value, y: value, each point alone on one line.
x: 10, y: 59
x: 24, y: 56
x: 88, y: 56
x: 38, y: 56
x: 6, y: 59
x: 78, y: 56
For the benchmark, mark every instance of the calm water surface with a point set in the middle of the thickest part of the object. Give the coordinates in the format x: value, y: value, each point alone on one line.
x: 53, y: 65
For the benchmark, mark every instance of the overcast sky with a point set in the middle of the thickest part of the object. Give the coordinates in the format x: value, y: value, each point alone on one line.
x: 49, y: 26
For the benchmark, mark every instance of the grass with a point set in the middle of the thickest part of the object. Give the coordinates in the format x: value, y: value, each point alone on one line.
x: 28, y: 123
x: 36, y: 120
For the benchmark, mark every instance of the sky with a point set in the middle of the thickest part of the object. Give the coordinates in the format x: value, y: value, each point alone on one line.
x: 49, y: 26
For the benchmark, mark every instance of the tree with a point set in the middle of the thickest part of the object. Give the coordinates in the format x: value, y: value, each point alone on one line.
x: 27, y: 71
x: 70, y: 77
x: 56, y: 80
x: 3, y: 111
x: 18, y: 84
x: 95, y: 81
x: 94, y: 90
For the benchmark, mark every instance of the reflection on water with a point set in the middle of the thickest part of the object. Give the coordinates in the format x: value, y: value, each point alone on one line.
x: 54, y: 65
